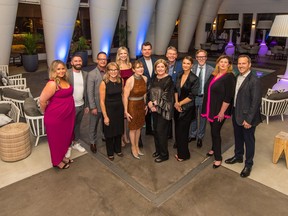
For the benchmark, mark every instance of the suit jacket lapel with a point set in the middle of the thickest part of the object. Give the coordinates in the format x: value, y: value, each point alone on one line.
x: 245, y: 81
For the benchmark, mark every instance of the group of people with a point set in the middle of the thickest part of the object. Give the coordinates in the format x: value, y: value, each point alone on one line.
x: 170, y: 97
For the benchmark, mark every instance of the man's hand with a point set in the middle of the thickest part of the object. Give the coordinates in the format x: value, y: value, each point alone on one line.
x: 94, y: 111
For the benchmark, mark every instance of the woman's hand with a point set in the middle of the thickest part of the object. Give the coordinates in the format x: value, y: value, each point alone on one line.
x: 106, y: 121
x: 128, y: 116
x: 153, y: 109
x: 178, y: 107
x: 220, y: 117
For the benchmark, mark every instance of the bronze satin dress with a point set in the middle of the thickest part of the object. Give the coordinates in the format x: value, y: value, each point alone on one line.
x: 136, y: 104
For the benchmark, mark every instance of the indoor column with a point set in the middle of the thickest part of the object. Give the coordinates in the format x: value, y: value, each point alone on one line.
x: 103, y: 20
x: 8, y: 12
x: 58, y: 23
x: 167, y: 12
x: 207, y: 15
x: 139, y: 17
x: 188, y: 21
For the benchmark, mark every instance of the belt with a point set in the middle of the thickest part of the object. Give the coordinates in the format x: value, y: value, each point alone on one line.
x: 136, y: 98
x: 200, y: 95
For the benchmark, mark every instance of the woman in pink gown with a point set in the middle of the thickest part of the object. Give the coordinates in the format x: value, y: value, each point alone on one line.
x: 57, y: 104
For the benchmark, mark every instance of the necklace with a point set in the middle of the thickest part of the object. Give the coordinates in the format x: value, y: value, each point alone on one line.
x: 137, y: 77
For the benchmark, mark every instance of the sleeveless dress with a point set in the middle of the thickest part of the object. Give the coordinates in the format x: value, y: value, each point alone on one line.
x: 59, y: 120
x: 125, y: 74
x: 136, y: 105
x: 114, y: 109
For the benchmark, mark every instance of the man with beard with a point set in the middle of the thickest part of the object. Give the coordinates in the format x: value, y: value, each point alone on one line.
x: 78, y: 79
x: 93, y: 82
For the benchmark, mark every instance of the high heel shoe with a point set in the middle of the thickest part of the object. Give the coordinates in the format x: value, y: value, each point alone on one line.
x: 136, y: 157
x: 140, y: 153
x: 209, y: 154
x: 216, y: 166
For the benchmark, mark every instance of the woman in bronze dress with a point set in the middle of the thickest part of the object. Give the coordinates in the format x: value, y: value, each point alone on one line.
x: 134, y: 105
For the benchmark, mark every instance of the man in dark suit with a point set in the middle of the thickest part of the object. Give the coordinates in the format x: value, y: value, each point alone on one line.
x: 246, y: 114
x: 203, y: 71
x: 148, y: 62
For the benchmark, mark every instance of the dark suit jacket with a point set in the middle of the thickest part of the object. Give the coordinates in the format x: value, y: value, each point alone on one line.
x: 177, y: 69
x: 71, y: 80
x: 248, y: 101
x: 146, y: 72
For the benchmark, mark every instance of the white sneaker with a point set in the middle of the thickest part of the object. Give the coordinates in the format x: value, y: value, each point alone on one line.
x: 68, y: 153
x: 78, y: 147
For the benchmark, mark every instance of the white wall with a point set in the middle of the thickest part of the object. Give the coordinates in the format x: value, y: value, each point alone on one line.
x: 253, y: 6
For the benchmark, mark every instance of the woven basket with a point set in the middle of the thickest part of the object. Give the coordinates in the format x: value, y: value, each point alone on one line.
x: 15, y: 142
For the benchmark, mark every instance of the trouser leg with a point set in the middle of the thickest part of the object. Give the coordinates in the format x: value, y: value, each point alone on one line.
x: 78, y: 118
x: 216, y: 138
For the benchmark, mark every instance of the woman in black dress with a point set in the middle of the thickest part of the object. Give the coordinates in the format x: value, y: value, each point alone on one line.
x: 186, y: 89
x: 111, y: 89
x: 218, y: 101
x: 160, y: 102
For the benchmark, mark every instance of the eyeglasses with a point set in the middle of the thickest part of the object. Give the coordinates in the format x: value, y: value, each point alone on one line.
x: 201, y: 57
x: 112, y: 70
x: 102, y: 59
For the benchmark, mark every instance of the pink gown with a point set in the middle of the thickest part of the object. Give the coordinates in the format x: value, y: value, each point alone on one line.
x: 59, y: 120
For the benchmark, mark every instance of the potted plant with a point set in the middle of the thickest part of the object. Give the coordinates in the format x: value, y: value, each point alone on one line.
x: 80, y: 47
x: 30, y: 56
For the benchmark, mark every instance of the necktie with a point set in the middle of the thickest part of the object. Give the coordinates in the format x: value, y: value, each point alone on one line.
x: 200, y: 92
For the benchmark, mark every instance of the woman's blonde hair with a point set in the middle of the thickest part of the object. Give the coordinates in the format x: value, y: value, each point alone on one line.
x: 230, y: 68
x: 107, y: 75
x: 53, y: 69
x: 159, y: 61
x: 118, y: 55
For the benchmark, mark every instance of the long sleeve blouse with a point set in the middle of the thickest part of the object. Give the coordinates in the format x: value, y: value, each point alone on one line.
x: 162, y: 91
x: 217, y: 91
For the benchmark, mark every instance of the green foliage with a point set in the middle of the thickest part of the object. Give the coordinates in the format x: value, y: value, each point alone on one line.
x: 30, y: 43
x: 80, y: 45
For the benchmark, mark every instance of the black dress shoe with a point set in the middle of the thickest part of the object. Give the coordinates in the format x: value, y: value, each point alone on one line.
x: 161, y: 159
x: 191, y: 139
x: 199, y: 143
x: 175, y: 145
x: 245, y: 172
x: 93, y: 148
x: 234, y: 160
x: 155, y: 154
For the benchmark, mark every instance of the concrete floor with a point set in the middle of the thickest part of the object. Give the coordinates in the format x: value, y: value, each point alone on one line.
x: 96, y: 186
